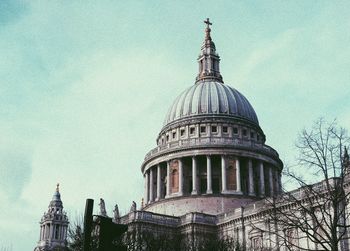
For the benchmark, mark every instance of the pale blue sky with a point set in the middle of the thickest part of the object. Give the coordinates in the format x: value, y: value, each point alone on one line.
x: 85, y: 86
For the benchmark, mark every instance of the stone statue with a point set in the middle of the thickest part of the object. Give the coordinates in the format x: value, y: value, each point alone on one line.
x: 116, y: 213
x: 133, y: 206
x: 102, y: 207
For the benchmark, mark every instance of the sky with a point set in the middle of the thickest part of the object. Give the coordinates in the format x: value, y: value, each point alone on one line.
x: 85, y: 87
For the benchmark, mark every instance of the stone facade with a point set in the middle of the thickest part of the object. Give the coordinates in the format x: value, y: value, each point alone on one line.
x: 211, y: 171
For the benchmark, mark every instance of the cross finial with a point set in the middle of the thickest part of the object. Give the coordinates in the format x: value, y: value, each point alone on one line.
x: 58, y: 187
x: 207, y: 22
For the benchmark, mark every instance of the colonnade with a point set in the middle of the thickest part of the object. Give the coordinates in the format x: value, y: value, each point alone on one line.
x: 166, y: 179
x: 47, y: 231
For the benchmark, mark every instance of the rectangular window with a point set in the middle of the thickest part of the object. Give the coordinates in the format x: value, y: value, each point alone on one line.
x: 257, y: 137
x: 235, y: 130
x: 167, y: 138
x: 174, y: 135
x: 224, y: 129
x: 214, y: 129
x: 245, y: 132
x: 182, y: 132
x: 192, y: 130
x: 252, y: 135
x: 203, y: 129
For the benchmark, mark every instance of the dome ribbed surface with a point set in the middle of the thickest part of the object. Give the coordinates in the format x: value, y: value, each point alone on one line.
x: 212, y: 98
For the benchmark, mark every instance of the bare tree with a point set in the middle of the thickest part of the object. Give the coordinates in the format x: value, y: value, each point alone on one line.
x: 314, y: 216
x: 75, y: 236
x: 149, y: 240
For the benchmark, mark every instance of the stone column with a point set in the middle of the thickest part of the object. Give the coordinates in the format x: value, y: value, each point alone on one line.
x: 271, y: 181
x: 159, y: 181
x: 251, y: 178
x: 49, y: 227
x: 151, y: 192
x: 41, y: 233
x: 209, y: 187
x: 238, y: 176
x: 276, y: 182
x: 51, y: 232
x: 194, y: 176
x: 167, y: 179
x: 61, y: 232
x: 223, y: 174
x: 181, y: 174
x: 279, y: 177
x: 44, y: 233
x: 262, y: 180
x: 146, y: 187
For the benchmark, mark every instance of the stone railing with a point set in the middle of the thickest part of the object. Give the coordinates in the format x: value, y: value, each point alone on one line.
x: 210, y: 141
x: 198, y: 218
x: 249, y: 209
x: 145, y: 216
x: 312, y: 190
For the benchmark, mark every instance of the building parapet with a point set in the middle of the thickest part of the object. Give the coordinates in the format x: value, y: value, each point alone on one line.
x: 159, y: 219
x: 198, y: 218
x: 150, y: 217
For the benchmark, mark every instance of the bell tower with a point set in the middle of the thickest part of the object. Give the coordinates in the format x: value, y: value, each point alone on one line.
x: 53, y: 226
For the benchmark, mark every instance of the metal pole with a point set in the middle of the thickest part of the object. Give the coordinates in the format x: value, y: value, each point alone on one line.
x: 88, y: 224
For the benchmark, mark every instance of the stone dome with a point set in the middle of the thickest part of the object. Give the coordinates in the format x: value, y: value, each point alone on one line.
x: 211, y: 98
x: 211, y: 154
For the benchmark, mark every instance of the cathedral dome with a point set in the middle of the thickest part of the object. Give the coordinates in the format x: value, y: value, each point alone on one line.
x: 210, y: 97
x: 211, y: 154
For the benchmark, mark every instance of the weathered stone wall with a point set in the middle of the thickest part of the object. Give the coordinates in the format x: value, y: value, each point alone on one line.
x: 210, y: 203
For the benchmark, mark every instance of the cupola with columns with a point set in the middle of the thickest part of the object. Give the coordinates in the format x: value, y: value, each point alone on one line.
x: 53, y: 226
x: 211, y: 153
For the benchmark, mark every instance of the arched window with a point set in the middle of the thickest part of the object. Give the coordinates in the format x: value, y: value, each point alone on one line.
x: 231, y: 178
x: 292, y: 238
x: 175, y: 181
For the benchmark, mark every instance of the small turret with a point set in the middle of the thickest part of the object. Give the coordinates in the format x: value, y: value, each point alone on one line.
x: 53, y: 225
x: 208, y: 59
